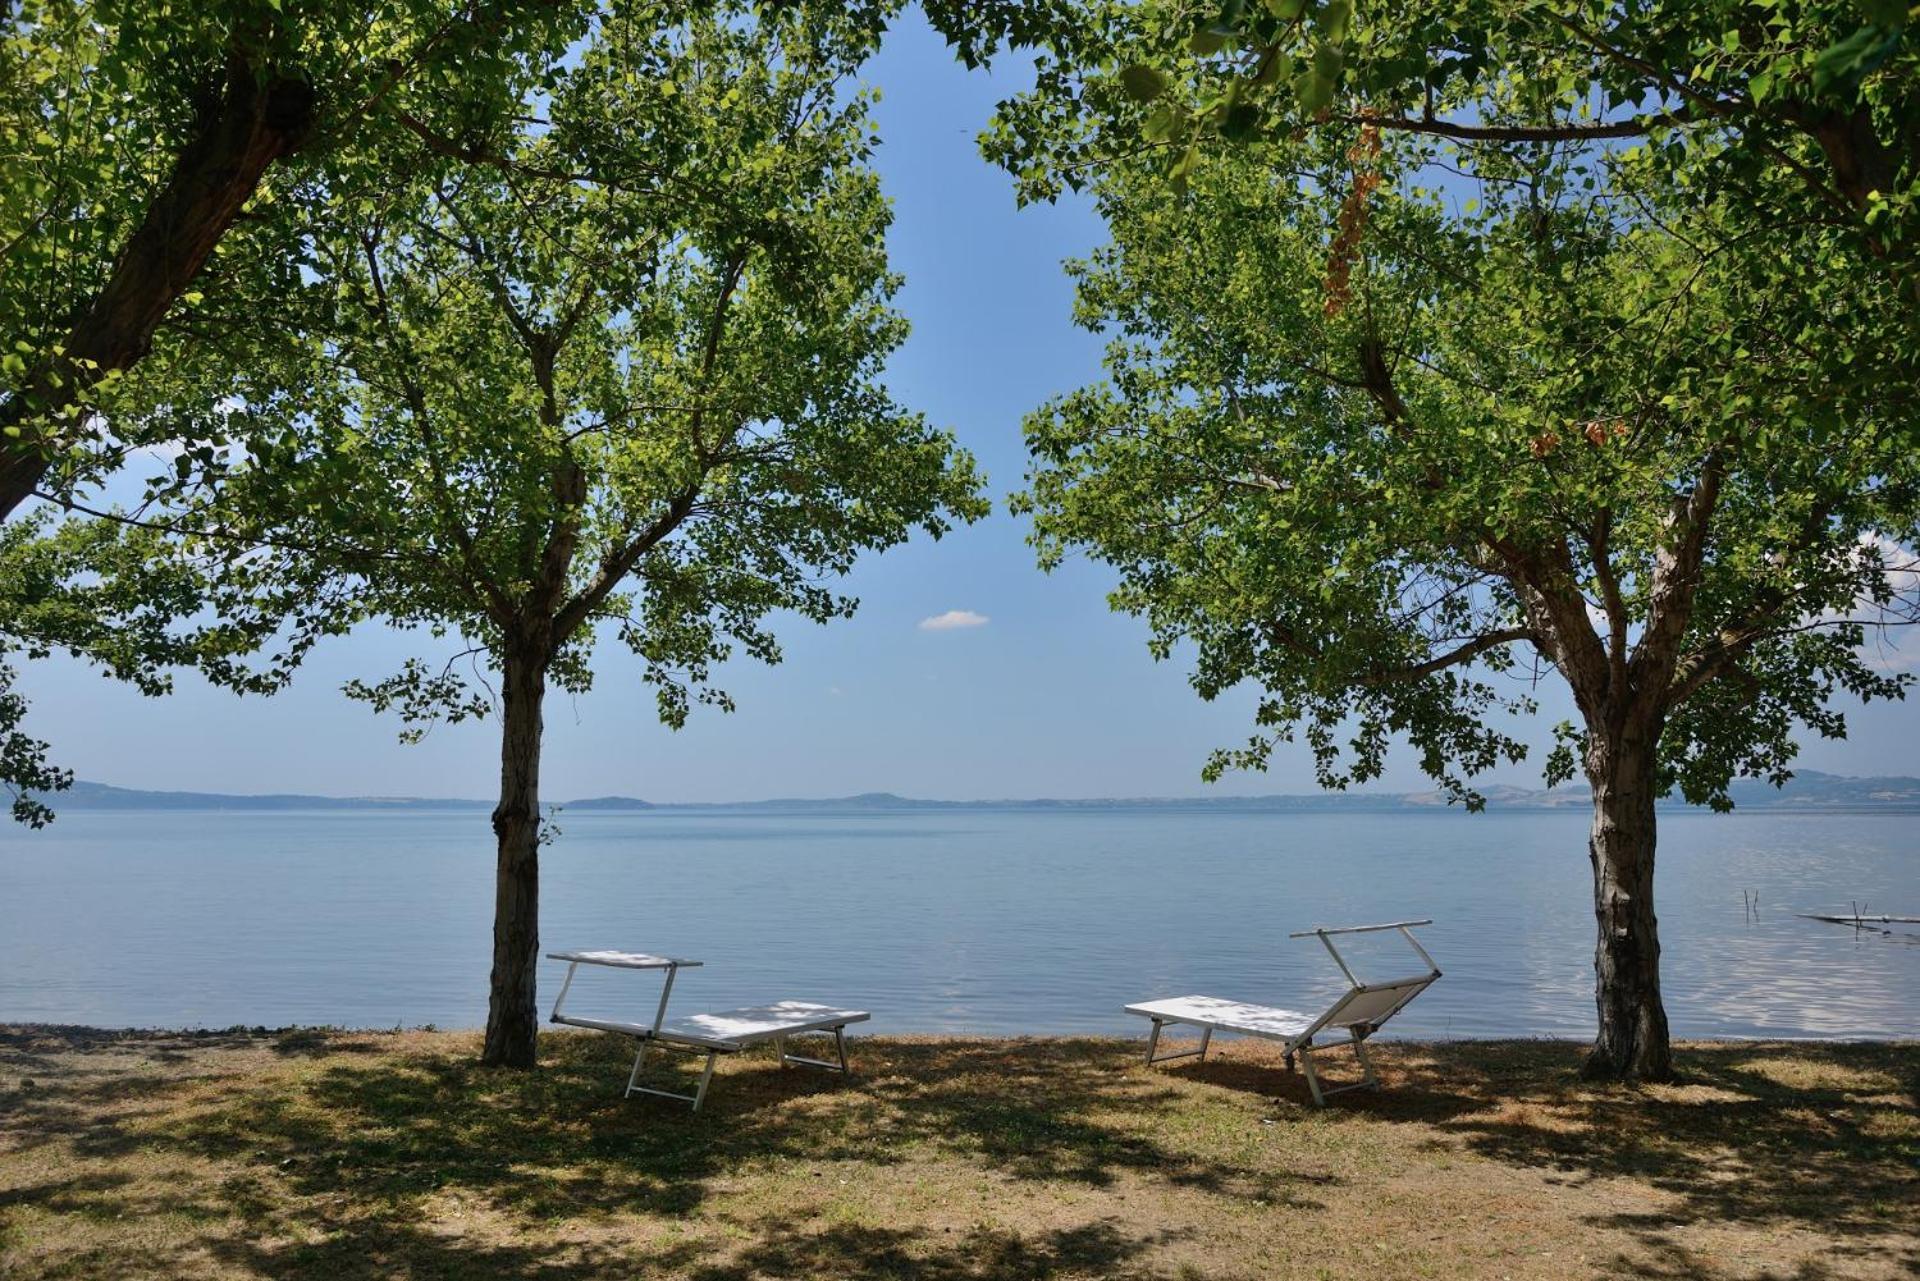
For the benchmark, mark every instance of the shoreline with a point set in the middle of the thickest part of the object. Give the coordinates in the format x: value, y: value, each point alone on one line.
x: 24, y: 1027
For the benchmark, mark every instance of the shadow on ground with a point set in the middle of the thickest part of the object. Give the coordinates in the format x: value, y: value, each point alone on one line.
x: 339, y: 1161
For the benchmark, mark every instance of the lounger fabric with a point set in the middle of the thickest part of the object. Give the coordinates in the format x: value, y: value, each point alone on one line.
x: 736, y: 1029
x: 1226, y: 1016
x: 624, y: 960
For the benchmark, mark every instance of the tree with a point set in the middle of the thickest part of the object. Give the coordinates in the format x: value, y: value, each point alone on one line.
x: 142, y: 140
x: 545, y: 410
x: 1382, y: 453
x: 1824, y: 93
x: 160, y: 167
x: 1795, y: 122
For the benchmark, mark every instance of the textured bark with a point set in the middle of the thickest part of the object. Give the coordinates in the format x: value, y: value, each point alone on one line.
x: 1632, y: 1042
x: 512, y: 1018
x: 252, y: 125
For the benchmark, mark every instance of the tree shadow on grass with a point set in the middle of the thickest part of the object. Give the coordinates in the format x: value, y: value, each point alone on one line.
x: 1818, y: 1136
x: 785, y: 1248
x: 375, y: 1146
x: 564, y: 1139
x: 794, y: 1249
x: 365, y: 1164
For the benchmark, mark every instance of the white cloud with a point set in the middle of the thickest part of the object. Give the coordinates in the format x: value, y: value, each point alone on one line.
x: 1885, y: 628
x: 952, y: 619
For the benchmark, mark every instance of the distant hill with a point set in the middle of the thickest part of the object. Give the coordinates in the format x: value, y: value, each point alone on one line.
x: 84, y: 795
x: 1809, y: 790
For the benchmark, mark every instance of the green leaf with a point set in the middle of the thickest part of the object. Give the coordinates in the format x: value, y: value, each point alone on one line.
x: 1161, y: 124
x: 1891, y: 14
x: 1240, y: 122
x: 1315, y: 86
x: 1208, y: 41
x: 1335, y: 19
x: 1144, y: 83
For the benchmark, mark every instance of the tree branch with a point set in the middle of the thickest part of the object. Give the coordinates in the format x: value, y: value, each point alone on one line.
x: 498, y: 604
x: 1427, y: 124
x: 1452, y: 658
x: 618, y: 563
x: 1676, y: 581
x: 1599, y: 545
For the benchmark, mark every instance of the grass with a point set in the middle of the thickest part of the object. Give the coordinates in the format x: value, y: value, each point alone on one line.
x: 334, y: 1154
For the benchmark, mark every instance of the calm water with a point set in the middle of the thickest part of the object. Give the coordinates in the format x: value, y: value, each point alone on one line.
x: 975, y: 921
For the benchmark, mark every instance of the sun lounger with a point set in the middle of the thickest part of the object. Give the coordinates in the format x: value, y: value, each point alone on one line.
x: 725, y: 1032
x: 1359, y: 1012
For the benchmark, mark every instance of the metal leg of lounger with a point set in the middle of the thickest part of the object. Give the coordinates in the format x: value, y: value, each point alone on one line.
x: 1153, y: 1045
x: 1370, y: 1081
x: 1360, y: 1052
x: 561, y: 999
x: 1313, y: 1078
x: 706, y: 1078
x: 633, y: 1077
x: 839, y: 1046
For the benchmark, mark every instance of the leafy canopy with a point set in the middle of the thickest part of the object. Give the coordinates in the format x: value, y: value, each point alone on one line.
x: 103, y: 105
x: 540, y: 406
x: 1389, y: 452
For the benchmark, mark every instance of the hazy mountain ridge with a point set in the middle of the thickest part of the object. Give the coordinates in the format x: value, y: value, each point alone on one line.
x: 1809, y: 790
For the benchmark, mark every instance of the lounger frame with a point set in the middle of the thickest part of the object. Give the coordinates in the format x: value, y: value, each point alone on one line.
x: 668, y: 1040
x: 1299, y: 1043
x: 832, y: 1022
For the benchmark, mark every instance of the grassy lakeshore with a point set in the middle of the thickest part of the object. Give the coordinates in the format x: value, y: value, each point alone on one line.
x: 337, y: 1154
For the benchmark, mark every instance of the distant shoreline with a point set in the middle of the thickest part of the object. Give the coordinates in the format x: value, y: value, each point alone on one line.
x: 1810, y: 792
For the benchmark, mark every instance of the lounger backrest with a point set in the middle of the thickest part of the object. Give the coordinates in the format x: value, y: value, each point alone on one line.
x: 1374, y: 1003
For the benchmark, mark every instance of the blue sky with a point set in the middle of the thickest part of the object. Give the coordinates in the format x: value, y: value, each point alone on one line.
x: 1051, y: 696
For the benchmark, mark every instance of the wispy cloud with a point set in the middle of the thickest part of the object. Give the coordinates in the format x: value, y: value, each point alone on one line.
x: 953, y: 619
x: 1887, y: 622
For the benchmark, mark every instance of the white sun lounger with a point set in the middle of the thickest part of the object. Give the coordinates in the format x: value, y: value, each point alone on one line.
x: 1360, y: 1011
x: 725, y: 1032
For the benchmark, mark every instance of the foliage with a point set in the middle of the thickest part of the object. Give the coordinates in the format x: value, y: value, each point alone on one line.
x: 159, y: 166
x: 1822, y: 90
x: 539, y: 406
x: 106, y: 107
x: 1791, y: 128
x: 127, y: 600
x: 1388, y: 461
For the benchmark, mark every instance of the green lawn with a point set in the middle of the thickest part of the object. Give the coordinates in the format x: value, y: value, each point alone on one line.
x: 327, y: 1154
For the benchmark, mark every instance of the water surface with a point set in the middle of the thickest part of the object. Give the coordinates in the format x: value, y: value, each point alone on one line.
x: 989, y: 921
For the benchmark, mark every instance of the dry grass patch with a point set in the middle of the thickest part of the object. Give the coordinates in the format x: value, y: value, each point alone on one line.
x: 374, y: 1155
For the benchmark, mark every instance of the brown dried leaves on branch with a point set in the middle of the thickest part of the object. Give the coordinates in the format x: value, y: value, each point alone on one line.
x: 1353, y: 220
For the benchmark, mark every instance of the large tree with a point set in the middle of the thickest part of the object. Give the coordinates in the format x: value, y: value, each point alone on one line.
x: 138, y: 140
x: 547, y: 412
x: 161, y: 168
x: 1389, y: 446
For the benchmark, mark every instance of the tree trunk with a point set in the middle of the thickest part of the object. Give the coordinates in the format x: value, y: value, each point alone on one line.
x: 257, y: 120
x: 1632, y: 1043
x: 512, y: 1019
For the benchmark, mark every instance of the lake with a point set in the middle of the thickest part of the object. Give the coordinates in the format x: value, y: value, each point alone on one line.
x: 982, y: 921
